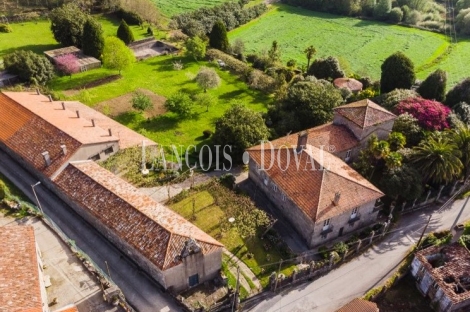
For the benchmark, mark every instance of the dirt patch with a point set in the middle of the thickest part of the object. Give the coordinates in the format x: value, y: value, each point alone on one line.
x: 123, y: 104
x: 99, y: 82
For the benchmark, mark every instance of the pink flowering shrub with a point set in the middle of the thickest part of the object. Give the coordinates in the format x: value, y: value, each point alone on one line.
x: 68, y: 64
x: 431, y: 115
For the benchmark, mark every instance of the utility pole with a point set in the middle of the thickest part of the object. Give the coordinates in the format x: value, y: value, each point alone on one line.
x: 36, y: 196
x: 422, y: 234
x: 107, y: 267
x: 237, y: 289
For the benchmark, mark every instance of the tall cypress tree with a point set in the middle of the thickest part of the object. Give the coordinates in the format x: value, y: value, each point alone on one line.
x: 434, y: 86
x: 92, y: 39
x: 218, y: 37
x: 125, y: 33
x: 397, y: 73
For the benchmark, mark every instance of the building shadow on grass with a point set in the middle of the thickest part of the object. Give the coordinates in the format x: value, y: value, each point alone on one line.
x: 37, y: 48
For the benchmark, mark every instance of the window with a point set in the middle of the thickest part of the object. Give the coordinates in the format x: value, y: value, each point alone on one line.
x: 283, y: 196
x: 193, y: 280
x: 95, y: 157
x: 109, y: 150
x: 274, y: 186
x: 326, y: 222
x: 435, y: 285
x: 348, y: 154
x: 266, y: 182
x: 354, y: 213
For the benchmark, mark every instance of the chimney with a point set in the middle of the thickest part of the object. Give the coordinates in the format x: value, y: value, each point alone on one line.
x: 37, y: 91
x: 78, y: 114
x: 50, y: 98
x: 336, y: 199
x: 457, y: 232
x: 63, y: 105
x: 110, y: 132
x: 64, y: 149
x: 92, y: 122
x: 301, y: 141
x: 47, y: 158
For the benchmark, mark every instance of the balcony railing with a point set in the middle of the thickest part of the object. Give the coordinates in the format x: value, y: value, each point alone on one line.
x: 357, y: 217
x: 325, y: 232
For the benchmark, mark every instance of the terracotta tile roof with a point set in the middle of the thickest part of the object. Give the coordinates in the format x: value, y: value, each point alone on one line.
x: 455, y: 269
x: 349, y: 83
x: 313, y: 183
x: 154, y: 230
x: 127, y: 137
x: 62, y: 51
x: 19, y: 272
x: 364, y: 113
x: 29, y: 135
x: 79, y: 129
x: 359, y: 305
x: 336, y: 138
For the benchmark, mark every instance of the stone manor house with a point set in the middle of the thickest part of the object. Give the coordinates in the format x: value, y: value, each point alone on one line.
x: 310, y: 181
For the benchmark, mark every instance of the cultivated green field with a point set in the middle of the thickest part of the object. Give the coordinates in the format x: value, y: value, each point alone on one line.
x: 363, y: 45
x: 173, y: 7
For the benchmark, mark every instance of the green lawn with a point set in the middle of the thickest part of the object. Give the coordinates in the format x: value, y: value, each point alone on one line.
x: 157, y: 74
x: 37, y: 36
x: 208, y: 218
x: 174, y: 7
x: 363, y: 45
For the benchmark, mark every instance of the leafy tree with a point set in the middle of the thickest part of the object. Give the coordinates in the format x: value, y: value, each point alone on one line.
x: 240, y: 128
x: 459, y: 93
x: 397, y: 73
x: 462, y: 22
x: 382, y: 9
x: 402, y: 182
x: 434, y: 86
x: 409, y: 127
x: 218, y: 37
x: 306, y: 104
x: 462, y: 4
x: 125, y: 33
x: 29, y: 66
x: 206, y: 99
x: 431, y: 115
x: 461, y: 136
x: 438, y: 159
x: 116, y: 55
x: 92, y: 39
x: 238, y: 47
x: 196, y: 48
x: 207, y: 78
x: 328, y: 68
x: 395, y: 15
x: 396, y: 141
x: 393, y: 98
x: 462, y: 110
x: 141, y: 102
x: 181, y: 104
x: 393, y: 160
x: 67, y: 64
x: 309, y: 53
x: 67, y: 24
x: 274, y: 53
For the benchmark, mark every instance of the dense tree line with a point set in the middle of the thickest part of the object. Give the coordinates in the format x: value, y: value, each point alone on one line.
x: 232, y: 15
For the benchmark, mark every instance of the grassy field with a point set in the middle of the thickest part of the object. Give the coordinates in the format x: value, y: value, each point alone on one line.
x: 173, y: 7
x: 37, y: 36
x: 157, y: 74
x: 363, y: 45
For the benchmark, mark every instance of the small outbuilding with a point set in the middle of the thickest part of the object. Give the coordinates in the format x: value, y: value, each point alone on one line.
x: 348, y: 83
x: 7, y: 79
x: 150, y: 47
x: 85, y: 62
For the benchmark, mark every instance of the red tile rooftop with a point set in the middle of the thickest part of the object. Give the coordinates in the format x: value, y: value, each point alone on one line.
x: 313, y: 184
x: 364, y: 113
x: 19, y: 272
x: 359, y: 305
x: 151, y: 228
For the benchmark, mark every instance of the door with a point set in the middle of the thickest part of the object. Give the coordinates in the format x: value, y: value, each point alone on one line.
x: 341, y: 231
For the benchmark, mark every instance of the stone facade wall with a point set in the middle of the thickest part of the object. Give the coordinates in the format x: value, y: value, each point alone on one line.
x: 207, y: 267
x: 341, y: 226
x: 381, y: 130
x: 284, y: 204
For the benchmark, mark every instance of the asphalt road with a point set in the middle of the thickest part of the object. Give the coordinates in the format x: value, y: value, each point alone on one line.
x: 141, y: 291
x: 367, y: 271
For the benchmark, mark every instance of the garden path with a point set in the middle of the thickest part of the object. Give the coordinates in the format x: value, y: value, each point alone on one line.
x: 245, y: 270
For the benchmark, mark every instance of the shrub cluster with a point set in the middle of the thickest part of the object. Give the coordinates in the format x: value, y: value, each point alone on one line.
x: 232, y: 14
x: 131, y: 18
x: 5, y: 28
x: 256, y: 78
x: 431, y: 115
